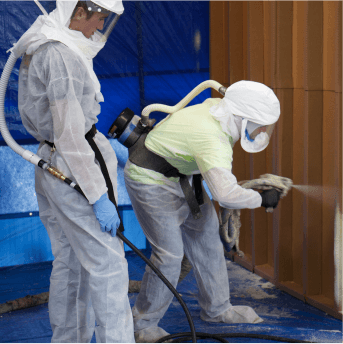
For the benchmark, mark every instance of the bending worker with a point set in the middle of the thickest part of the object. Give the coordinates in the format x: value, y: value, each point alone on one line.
x: 198, y: 140
x: 59, y: 97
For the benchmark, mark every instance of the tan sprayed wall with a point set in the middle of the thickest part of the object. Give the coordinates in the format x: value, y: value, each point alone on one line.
x: 294, y: 47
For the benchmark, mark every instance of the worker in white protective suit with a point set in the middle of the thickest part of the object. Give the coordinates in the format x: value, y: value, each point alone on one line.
x: 59, y: 97
x: 198, y: 139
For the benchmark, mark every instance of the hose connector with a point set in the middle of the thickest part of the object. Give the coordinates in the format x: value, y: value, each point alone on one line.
x: 56, y: 173
x: 222, y: 90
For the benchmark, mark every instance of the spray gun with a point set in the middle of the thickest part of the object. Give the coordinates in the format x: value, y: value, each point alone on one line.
x: 269, y: 182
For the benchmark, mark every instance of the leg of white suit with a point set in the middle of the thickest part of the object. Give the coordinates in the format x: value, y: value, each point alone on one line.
x: 168, y: 224
x: 160, y: 215
x: 85, y: 311
x: 67, y: 284
x: 89, y: 266
x: 204, y: 250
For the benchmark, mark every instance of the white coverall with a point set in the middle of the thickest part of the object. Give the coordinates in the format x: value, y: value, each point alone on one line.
x: 193, y: 142
x: 89, y: 279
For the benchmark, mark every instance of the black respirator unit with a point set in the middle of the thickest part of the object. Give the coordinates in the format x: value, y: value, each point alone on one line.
x: 128, y: 128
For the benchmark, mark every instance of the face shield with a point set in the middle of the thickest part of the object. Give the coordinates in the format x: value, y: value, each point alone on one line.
x: 254, y: 129
x: 259, y: 109
x: 111, y: 10
x: 255, y: 137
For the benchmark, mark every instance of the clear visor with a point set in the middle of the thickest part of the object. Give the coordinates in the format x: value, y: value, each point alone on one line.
x: 107, y: 19
x: 254, y: 129
x: 109, y: 22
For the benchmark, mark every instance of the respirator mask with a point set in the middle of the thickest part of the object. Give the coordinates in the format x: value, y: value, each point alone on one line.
x: 255, y: 137
x: 256, y: 110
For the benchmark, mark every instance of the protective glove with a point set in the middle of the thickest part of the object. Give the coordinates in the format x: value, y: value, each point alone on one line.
x: 106, y: 213
x: 270, y: 198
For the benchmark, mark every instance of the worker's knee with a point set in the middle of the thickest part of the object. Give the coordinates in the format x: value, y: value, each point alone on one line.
x: 169, y: 262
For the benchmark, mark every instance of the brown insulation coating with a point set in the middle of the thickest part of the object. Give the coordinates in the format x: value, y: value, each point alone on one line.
x: 294, y: 47
x: 35, y: 300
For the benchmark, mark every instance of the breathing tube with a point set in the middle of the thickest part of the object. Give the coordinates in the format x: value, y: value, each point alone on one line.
x: 24, y: 153
x: 36, y: 160
x: 189, y: 97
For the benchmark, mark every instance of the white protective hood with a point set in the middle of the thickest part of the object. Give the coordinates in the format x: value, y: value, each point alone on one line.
x: 111, y: 5
x: 246, y: 101
x: 55, y: 26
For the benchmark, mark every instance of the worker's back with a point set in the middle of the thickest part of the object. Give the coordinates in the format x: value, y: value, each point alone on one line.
x: 185, y: 134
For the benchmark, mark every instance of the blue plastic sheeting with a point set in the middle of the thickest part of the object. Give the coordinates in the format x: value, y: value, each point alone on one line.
x: 17, y: 194
x: 25, y: 240
x: 283, y: 315
x: 117, y: 96
x: 170, y: 89
x: 158, y: 52
x: 169, y: 31
x: 163, y: 39
x: 17, y: 189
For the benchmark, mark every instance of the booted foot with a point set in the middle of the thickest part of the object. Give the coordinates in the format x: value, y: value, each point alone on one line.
x: 150, y: 335
x: 235, y: 315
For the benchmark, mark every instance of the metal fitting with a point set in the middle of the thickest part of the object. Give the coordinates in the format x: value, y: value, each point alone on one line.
x: 222, y: 90
x: 56, y: 173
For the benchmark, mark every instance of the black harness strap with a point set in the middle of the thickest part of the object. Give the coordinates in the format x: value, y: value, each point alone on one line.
x: 49, y: 143
x: 197, y: 178
x: 189, y: 196
x: 142, y: 157
x: 89, y: 137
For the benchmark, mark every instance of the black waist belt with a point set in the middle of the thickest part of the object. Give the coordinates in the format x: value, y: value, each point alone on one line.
x: 91, y: 133
x: 89, y: 137
x: 141, y: 156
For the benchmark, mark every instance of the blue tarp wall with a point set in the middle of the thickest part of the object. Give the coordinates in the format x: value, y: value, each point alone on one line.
x: 158, y: 52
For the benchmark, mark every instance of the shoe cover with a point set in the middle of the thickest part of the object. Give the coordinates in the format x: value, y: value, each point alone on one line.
x: 150, y: 335
x: 235, y: 315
